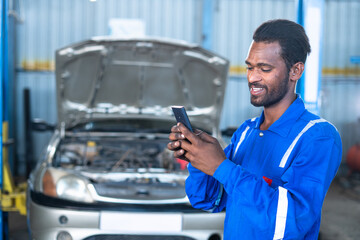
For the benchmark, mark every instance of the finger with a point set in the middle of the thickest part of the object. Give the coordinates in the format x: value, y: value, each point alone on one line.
x: 175, y: 128
x: 188, y: 156
x: 179, y: 153
x: 176, y: 136
x: 173, y: 145
x: 187, y: 133
x: 186, y: 145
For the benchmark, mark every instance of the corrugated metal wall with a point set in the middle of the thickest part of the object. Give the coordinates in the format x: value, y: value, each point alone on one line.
x: 49, y: 25
x: 341, y: 78
x: 236, y: 20
x: 341, y: 106
x: 341, y: 37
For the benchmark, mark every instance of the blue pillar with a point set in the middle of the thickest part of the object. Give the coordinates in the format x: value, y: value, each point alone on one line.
x: 300, y: 20
x: 9, y: 87
x: 310, y: 14
x: 2, y: 38
x: 207, y: 23
x: 4, y: 76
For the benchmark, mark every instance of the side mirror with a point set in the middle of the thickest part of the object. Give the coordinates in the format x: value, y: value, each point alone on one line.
x: 41, y: 126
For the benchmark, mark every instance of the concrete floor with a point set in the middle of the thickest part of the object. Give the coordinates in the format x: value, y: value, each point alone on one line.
x: 341, y: 211
x: 340, y: 214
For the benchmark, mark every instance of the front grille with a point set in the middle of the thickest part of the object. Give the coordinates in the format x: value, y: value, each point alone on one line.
x: 137, y: 237
x: 141, y: 191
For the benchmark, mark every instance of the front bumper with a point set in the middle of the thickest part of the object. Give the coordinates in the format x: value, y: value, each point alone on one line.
x: 47, y: 222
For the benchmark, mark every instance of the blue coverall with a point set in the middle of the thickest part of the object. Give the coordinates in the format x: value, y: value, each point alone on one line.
x: 273, y: 182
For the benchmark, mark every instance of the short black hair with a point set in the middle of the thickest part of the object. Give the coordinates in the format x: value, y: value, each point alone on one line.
x: 291, y: 36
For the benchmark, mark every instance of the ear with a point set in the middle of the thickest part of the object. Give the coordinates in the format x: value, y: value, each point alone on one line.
x: 296, y: 71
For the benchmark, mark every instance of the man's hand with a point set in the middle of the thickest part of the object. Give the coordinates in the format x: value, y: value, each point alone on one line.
x: 202, y: 150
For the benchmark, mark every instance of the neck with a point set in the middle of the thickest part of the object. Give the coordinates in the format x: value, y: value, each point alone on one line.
x: 274, y: 112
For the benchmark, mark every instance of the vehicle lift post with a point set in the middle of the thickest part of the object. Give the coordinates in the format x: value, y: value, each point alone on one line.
x: 12, y: 198
x: 2, y: 50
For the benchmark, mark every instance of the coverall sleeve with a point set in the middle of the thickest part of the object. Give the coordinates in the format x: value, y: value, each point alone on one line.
x: 204, y: 191
x: 288, y: 211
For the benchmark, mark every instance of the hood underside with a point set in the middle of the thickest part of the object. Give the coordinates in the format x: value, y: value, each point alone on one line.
x: 110, y: 78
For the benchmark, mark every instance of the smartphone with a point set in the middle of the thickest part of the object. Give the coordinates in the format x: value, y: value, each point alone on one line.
x: 181, y: 116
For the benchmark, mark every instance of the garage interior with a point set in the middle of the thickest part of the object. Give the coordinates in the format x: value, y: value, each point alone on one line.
x: 32, y: 31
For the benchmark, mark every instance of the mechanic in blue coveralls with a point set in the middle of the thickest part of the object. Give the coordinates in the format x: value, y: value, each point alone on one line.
x: 273, y: 177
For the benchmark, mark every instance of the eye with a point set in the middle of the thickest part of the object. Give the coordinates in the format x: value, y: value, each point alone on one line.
x: 249, y: 68
x: 266, y: 69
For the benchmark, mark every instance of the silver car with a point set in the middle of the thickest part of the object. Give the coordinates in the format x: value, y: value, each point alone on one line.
x: 106, y: 173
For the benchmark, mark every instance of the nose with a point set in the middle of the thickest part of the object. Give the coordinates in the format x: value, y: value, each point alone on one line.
x: 253, y: 76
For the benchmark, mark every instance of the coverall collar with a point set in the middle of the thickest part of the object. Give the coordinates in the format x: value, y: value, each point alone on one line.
x: 283, y: 125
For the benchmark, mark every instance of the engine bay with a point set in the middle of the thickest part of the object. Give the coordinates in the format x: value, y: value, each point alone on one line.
x: 117, y: 155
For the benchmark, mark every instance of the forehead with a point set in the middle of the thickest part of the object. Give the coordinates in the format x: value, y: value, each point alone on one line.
x: 262, y: 52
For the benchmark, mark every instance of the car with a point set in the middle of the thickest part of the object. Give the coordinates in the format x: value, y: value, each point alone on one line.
x: 106, y: 172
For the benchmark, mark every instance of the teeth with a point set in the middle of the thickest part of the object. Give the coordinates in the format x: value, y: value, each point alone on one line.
x: 257, y: 89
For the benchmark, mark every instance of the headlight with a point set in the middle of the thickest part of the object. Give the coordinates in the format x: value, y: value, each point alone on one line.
x: 73, y: 188
x: 61, y: 184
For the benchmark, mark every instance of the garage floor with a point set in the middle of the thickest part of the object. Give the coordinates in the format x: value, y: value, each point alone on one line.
x: 341, y: 211
x: 340, y: 217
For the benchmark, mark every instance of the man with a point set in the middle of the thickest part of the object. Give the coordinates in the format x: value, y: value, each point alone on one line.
x: 273, y: 177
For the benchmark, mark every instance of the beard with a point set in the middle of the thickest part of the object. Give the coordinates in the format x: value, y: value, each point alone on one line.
x: 273, y: 96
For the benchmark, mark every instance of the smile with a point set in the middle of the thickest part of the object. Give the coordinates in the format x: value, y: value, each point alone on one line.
x: 256, y: 90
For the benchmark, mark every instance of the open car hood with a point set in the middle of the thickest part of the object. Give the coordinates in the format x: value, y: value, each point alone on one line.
x: 113, y: 78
